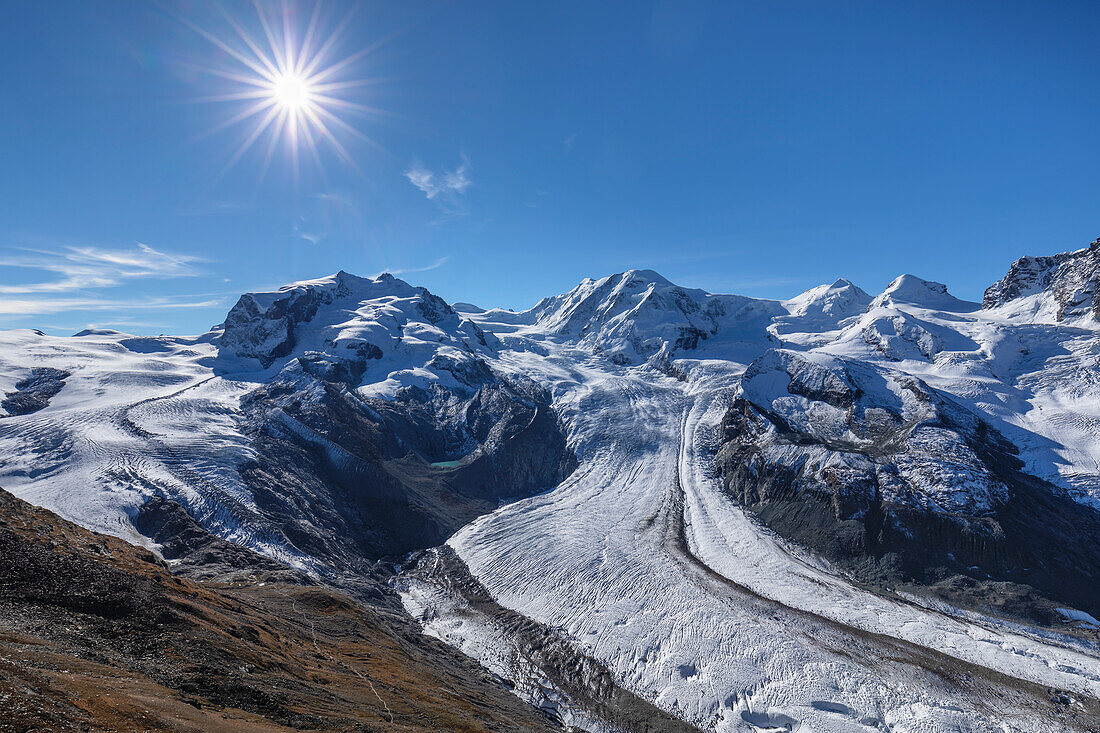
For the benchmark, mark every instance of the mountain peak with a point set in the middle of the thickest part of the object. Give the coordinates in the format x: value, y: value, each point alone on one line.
x: 348, y: 282
x: 912, y: 290
x: 363, y: 315
x: 842, y: 295
x: 822, y: 308
x: 907, y: 284
x: 646, y: 276
x: 638, y: 314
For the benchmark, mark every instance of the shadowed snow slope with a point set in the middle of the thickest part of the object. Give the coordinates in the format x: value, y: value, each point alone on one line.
x: 838, y: 511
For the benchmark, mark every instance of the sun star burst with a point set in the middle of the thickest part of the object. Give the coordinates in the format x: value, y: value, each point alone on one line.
x: 288, y: 84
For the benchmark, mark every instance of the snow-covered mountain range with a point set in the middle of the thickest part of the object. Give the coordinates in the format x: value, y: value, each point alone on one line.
x: 839, y: 511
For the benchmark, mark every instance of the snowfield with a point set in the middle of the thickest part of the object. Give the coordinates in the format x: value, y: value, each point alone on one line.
x: 638, y: 560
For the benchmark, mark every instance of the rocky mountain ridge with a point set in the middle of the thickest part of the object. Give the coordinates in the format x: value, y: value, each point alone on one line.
x: 1069, y: 279
x: 899, y: 483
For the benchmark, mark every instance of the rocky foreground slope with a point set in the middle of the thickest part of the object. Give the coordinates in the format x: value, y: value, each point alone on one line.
x: 99, y: 635
x: 842, y: 511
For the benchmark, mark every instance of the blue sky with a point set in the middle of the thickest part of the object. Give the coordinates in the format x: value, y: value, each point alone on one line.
x: 513, y: 149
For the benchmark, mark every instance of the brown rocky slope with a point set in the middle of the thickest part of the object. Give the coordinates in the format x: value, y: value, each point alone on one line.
x: 100, y: 635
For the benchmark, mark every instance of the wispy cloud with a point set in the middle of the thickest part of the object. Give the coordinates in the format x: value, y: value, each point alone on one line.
x: 301, y: 232
x: 86, y: 268
x: 402, y: 271
x: 78, y: 277
x: 570, y: 140
x: 445, y: 187
x: 311, y: 237
x: 334, y: 197
x: 42, y: 306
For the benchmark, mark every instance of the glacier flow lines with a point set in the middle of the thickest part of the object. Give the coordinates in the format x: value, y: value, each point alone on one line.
x: 716, y: 622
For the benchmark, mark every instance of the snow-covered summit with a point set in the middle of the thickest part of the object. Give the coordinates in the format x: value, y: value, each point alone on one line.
x: 839, y: 300
x: 821, y: 310
x: 913, y: 291
x: 635, y: 315
x: 595, y: 302
x: 376, y: 330
x: 906, y: 322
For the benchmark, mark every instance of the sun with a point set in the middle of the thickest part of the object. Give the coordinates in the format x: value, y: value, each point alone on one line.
x: 291, y: 91
x: 290, y: 85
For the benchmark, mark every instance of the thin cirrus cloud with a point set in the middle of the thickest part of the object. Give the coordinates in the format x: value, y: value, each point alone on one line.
x: 445, y: 187
x: 81, y: 268
x: 424, y: 268
x: 80, y: 271
x: 43, y: 306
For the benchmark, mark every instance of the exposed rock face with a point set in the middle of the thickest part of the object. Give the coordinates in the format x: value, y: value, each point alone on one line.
x: 1070, y: 278
x: 385, y: 430
x: 349, y: 479
x: 266, y: 331
x: 33, y: 393
x: 200, y: 554
x: 859, y: 415
x: 897, y: 482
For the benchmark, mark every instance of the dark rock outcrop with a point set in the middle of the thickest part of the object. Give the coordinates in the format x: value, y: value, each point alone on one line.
x: 34, y: 392
x: 1070, y: 277
x: 349, y: 480
x: 200, y: 554
x: 267, y: 330
x: 898, y: 484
